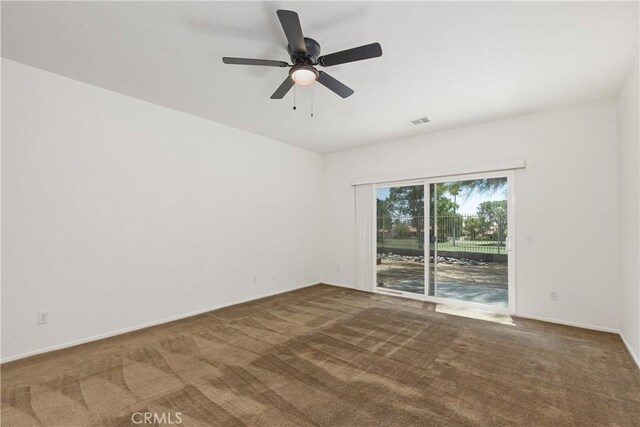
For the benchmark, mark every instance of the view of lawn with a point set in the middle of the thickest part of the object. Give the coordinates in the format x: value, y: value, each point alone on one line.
x: 465, y: 216
x: 479, y: 246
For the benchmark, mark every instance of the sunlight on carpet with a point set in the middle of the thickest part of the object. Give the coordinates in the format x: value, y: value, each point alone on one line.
x: 489, y: 316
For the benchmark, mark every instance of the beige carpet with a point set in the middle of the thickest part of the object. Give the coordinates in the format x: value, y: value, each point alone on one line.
x: 330, y: 356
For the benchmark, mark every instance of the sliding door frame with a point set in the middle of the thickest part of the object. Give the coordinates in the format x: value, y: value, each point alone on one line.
x: 377, y: 289
x: 510, y: 241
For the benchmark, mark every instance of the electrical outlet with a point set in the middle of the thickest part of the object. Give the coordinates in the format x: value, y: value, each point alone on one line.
x: 255, y: 278
x: 553, y: 295
x: 338, y: 269
x: 43, y: 318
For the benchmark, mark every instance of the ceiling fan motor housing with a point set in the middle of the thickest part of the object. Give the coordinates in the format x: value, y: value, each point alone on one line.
x: 311, y: 57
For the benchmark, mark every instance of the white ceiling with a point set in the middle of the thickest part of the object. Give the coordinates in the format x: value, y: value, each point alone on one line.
x: 457, y: 63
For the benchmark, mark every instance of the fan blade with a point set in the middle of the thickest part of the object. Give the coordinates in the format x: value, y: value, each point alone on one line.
x: 248, y: 61
x: 334, y: 85
x: 368, y: 51
x: 292, y: 29
x: 283, y: 89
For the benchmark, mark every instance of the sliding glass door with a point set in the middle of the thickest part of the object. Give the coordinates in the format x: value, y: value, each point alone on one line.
x: 469, y: 257
x: 400, y: 265
x: 447, y: 240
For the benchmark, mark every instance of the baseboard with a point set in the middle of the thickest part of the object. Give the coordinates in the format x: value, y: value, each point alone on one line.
x: 340, y: 285
x: 147, y: 325
x: 566, y: 323
x: 630, y: 350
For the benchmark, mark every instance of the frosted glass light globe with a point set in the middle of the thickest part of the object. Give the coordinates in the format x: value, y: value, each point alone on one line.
x: 303, y: 76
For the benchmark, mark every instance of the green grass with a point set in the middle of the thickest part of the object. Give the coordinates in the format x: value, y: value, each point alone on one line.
x: 479, y: 246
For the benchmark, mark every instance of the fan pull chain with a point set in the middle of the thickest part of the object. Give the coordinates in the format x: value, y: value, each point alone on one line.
x: 312, y: 90
x: 294, y: 97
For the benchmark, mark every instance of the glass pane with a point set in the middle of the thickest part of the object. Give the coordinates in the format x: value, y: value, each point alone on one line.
x: 470, y: 234
x: 400, y: 238
x: 432, y: 240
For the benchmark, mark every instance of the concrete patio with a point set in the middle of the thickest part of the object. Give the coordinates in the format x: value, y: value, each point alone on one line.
x: 484, y: 284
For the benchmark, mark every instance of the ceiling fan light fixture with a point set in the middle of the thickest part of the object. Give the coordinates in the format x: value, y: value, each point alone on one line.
x: 303, y: 75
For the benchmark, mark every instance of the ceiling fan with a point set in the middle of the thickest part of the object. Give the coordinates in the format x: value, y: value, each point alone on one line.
x: 305, y: 56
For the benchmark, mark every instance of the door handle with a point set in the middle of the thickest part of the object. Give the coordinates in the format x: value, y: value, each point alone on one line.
x: 509, y: 244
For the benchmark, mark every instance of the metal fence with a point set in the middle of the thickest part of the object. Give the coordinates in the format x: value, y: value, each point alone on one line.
x: 456, y: 233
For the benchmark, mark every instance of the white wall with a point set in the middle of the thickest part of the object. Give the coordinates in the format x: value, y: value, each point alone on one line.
x: 629, y: 212
x: 565, y: 197
x: 117, y: 212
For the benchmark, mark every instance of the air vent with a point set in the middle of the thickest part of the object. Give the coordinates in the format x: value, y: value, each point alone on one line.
x: 420, y: 121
